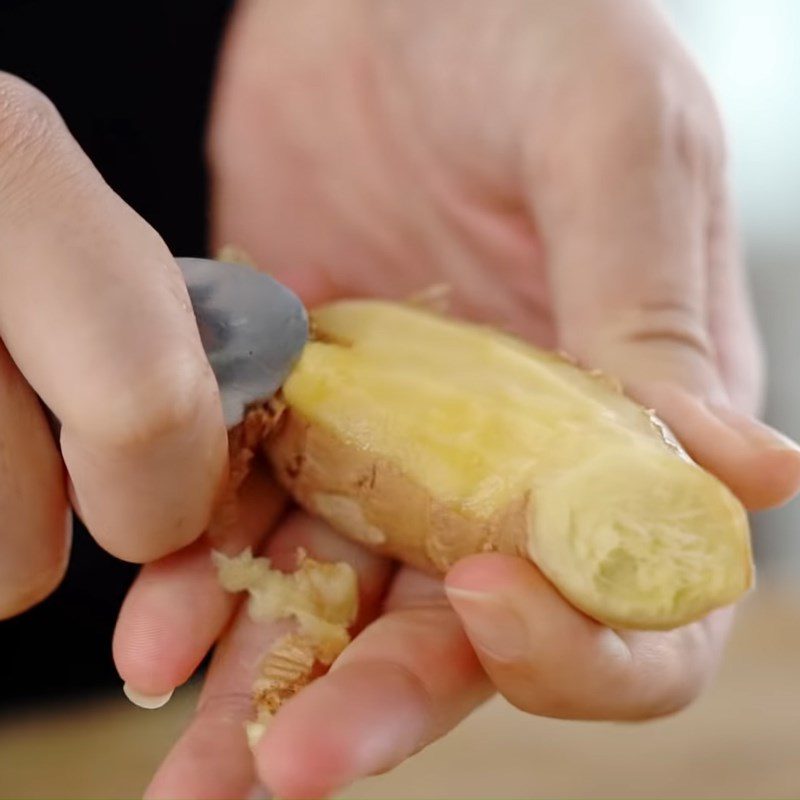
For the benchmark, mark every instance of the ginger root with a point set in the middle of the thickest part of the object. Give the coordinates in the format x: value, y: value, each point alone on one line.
x: 321, y: 598
x: 430, y: 439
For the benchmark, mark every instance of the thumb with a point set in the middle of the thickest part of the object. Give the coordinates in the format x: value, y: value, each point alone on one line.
x: 626, y: 231
x: 551, y: 660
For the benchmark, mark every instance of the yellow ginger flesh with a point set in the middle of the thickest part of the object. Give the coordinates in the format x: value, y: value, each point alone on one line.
x: 430, y: 439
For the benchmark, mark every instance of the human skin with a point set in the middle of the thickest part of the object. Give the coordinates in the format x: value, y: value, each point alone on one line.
x: 95, y: 321
x: 562, y: 167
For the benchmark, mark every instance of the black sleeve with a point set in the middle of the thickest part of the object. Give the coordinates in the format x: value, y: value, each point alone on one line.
x: 132, y: 79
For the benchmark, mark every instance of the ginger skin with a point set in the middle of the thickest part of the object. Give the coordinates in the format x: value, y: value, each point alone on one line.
x: 321, y: 598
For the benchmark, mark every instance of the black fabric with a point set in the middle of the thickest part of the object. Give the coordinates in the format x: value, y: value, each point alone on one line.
x: 132, y: 80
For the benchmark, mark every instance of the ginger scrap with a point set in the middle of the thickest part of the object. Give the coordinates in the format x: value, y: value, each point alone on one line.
x: 245, y: 442
x: 322, y: 598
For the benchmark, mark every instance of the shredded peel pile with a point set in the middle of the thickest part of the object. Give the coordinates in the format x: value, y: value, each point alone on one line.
x: 321, y: 598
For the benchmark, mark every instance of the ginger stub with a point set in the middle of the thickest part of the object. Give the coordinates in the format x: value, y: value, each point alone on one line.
x: 430, y: 439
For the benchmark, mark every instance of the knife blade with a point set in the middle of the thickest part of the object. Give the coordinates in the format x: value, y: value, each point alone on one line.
x: 253, y: 330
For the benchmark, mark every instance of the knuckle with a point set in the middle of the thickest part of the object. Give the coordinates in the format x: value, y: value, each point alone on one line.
x: 675, y: 323
x: 670, y: 677
x: 663, y: 114
x: 663, y: 336
x: 225, y: 707
x: 546, y: 699
x: 20, y: 595
x: 140, y: 410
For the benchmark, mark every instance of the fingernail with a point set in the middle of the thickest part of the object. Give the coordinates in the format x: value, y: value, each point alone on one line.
x: 491, y: 624
x: 753, y: 430
x: 149, y: 701
x: 259, y: 792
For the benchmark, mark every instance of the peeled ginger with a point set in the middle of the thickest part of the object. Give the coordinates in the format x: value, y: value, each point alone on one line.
x: 430, y: 439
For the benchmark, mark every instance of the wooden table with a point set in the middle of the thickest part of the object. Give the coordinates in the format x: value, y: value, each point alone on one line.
x: 741, y: 740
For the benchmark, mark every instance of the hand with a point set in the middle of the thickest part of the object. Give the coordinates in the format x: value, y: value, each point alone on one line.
x: 95, y: 320
x: 561, y: 166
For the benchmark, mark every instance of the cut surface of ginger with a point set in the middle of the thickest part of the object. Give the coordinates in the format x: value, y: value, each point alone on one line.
x: 431, y: 439
x: 322, y: 598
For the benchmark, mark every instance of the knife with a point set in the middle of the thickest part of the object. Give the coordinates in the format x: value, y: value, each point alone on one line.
x: 253, y: 330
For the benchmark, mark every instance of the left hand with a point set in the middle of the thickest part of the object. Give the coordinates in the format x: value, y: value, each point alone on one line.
x: 559, y: 164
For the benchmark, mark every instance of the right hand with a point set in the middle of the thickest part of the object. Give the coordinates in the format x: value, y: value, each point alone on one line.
x: 95, y: 319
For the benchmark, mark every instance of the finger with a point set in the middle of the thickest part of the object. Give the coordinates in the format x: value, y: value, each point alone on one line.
x: 34, y: 542
x: 731, y: 316
x: 176, y: 608
x: 758, y: 463
x: 549, y: 659
x: 196, y: 767
x: 625, y: 220
x: 407, y: 679
x: 96, y: 316
x: 774, y: 470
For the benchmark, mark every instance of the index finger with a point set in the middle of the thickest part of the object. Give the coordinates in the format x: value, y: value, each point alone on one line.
x: 96, y: 315
x: 643, y: 272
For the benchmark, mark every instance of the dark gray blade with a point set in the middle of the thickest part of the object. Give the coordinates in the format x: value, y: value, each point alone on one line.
x: 253, y: 330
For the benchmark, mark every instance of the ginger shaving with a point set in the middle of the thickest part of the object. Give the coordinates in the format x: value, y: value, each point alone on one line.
x: 321, y: 598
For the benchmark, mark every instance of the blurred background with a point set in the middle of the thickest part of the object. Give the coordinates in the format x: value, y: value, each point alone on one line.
x: 742, y: 738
